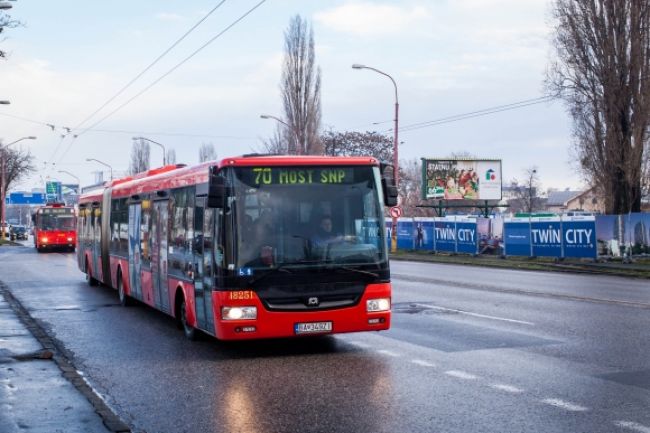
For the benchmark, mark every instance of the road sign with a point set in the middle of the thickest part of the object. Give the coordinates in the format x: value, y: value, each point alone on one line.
x: 53, y: 191
x: 25, y: 198
x: 396, y: 212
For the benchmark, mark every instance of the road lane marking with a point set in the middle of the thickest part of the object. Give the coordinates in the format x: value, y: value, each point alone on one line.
x: 572, y: 407
x: 422, y: 363
x: 461, y: 374
x: 507, y: 388
x: 388, y: 353
x: 469, y: 313
x: 633, y: 426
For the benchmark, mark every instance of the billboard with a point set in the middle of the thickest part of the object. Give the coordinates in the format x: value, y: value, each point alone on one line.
x: 461, y: 179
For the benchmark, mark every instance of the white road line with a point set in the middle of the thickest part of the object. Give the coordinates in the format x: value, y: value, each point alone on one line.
x: 422, y: 363
x: 483, y: 316
x: 507, y: 388
x: 564, y: 405
x: 461, y: 374
x: 388, y: 353
x: 633, y: 426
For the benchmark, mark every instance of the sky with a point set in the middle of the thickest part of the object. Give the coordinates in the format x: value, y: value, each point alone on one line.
x: 447, y: 57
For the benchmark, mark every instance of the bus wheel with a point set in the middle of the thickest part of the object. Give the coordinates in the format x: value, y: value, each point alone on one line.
x: 124, y: 299
x: 188, y: 330
x: 89, y: 278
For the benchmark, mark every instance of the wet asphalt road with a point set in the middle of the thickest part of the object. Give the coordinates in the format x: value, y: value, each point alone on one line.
x: 471, y: 350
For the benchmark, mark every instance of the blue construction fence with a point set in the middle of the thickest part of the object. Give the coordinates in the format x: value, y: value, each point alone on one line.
x: 558, y: 236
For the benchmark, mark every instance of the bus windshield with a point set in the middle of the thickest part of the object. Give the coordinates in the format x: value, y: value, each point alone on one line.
x: 56, y: 219
x: 307, y: 217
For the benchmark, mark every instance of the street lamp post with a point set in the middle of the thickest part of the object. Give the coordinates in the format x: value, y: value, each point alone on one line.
x: 393, y: 243
x: 102, y: 163
x: 3, y: 178
x: 70, y: 174
x: 155, y: 142
x: 295, y: 133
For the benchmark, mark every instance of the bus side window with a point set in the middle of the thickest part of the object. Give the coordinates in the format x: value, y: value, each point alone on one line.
x: 145, y: 216
x: 182, y: 232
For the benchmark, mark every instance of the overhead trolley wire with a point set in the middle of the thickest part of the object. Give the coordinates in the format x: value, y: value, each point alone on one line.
x: 218, y: 35
x: 137, y: 132
x: 152, y: 64
x: 477, y: 113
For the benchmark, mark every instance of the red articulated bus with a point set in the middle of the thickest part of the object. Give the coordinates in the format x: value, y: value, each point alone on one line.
x: 55, y: 227
x: 238, y: 248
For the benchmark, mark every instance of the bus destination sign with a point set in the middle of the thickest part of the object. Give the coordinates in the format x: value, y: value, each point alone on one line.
x: 301, y: 176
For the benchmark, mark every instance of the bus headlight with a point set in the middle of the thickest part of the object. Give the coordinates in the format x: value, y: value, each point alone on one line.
x: 239, y: 313
x: 44, y: 240
x: 375, y: 305
x: 70, y: 239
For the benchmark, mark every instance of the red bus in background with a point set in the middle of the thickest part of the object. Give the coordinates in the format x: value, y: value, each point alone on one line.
x: 236, y: 250
x: 55, y: 227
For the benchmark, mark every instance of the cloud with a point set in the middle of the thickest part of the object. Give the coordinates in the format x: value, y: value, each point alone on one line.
x: 372, y: 19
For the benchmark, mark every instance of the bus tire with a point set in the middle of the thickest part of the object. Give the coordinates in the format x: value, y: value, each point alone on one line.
x: 124, y: 298
x: 89, y: 278
x: 189, y: 331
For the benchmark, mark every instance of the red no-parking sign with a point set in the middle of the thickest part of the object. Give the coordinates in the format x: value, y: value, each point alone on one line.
x: 396, y: 212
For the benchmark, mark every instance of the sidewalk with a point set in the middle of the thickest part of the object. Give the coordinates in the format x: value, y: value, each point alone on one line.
x: 40, y: 391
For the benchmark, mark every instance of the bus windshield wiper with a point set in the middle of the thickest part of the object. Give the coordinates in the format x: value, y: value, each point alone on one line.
x: 354, y: 270
x: 272, y: 271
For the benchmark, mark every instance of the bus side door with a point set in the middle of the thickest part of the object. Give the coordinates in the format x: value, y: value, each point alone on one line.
x: 159, y: 234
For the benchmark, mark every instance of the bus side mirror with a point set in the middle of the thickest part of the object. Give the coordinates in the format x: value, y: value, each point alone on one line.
x: 216, y: 189
x: 388, y: 184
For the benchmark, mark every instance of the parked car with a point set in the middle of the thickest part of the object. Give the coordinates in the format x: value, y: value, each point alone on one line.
x: 17, y: 233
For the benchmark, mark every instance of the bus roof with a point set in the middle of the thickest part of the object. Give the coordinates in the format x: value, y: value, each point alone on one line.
x: 174, y: 176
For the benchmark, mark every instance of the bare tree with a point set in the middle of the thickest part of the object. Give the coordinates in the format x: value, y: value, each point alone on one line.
x: 526, y: 192
x: 352, y: 143
x: 140, y: 157
x: 207, y: 152
x: 16, y: 164
x: 603, y: 75
x: 410, y: 189
x: 6, y: 22
x: 301, y: 88
x: 171, y: 156
x: 278, y: 144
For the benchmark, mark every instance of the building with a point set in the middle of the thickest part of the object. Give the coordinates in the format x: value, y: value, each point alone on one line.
x: 568, y: 200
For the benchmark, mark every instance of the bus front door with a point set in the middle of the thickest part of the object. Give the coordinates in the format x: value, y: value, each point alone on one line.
x: 159, y: 233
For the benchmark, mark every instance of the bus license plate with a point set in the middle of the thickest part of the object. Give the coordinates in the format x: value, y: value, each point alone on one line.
x: 313, y: 328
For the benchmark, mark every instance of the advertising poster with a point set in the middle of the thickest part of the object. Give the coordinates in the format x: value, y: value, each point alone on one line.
x: 607, y: 239
x: 466, y: 237
x: 445, y: 235
x: 423, y: 233
x: 579, y: 237
x: 516, y: 233
x: 637, y: 233
x: 459, y: 179
x: 405, y: 234
x: 546, y: 237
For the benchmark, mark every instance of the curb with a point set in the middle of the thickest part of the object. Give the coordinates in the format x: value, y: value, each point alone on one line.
x: 110, y: 419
